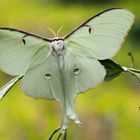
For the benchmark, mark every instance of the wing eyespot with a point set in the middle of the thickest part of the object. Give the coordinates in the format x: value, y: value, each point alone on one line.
x: 48, y: 76
x: 89, y: 28
x: 76, y: 71
x: 23, y: 41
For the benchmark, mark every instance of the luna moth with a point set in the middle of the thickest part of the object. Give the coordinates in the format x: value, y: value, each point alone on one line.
x: 61, y: 67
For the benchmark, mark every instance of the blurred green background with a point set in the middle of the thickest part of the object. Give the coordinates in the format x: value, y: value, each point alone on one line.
x: 108, y: 112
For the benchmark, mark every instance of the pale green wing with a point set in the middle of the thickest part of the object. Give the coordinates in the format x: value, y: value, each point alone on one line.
x: 17, y: 49
x: 101, y: 36
x: 80, y: 74
x: 44, y: 80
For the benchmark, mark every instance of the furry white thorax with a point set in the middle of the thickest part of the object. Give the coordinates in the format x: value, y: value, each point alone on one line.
x: 58, y: 46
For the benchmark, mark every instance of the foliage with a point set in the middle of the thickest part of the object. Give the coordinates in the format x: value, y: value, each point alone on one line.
x: 113, y: 69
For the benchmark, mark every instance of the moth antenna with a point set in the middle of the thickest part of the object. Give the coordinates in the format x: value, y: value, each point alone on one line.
x: 132, y: 58
x: 58, y: 31
x: 52, y: 31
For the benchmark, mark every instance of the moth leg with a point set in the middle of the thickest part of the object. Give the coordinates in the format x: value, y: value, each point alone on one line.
x: 65, y: 135
x: 59, y: 136
x: 53, y: 133
x: 63, y: 132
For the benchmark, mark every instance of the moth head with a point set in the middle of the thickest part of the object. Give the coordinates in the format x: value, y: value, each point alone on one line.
x: 57, y: 42
x: 58, y: 45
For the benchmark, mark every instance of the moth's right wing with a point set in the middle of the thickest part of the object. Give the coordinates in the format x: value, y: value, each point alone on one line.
x: 17, y: 49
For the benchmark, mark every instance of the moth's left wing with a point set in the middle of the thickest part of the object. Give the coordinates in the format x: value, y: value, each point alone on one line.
x: 81, y: 73
x: 101, y: 36
x: 18, y: 48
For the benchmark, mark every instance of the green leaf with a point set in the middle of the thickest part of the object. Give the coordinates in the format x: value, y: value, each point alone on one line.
x: 112, y: 68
